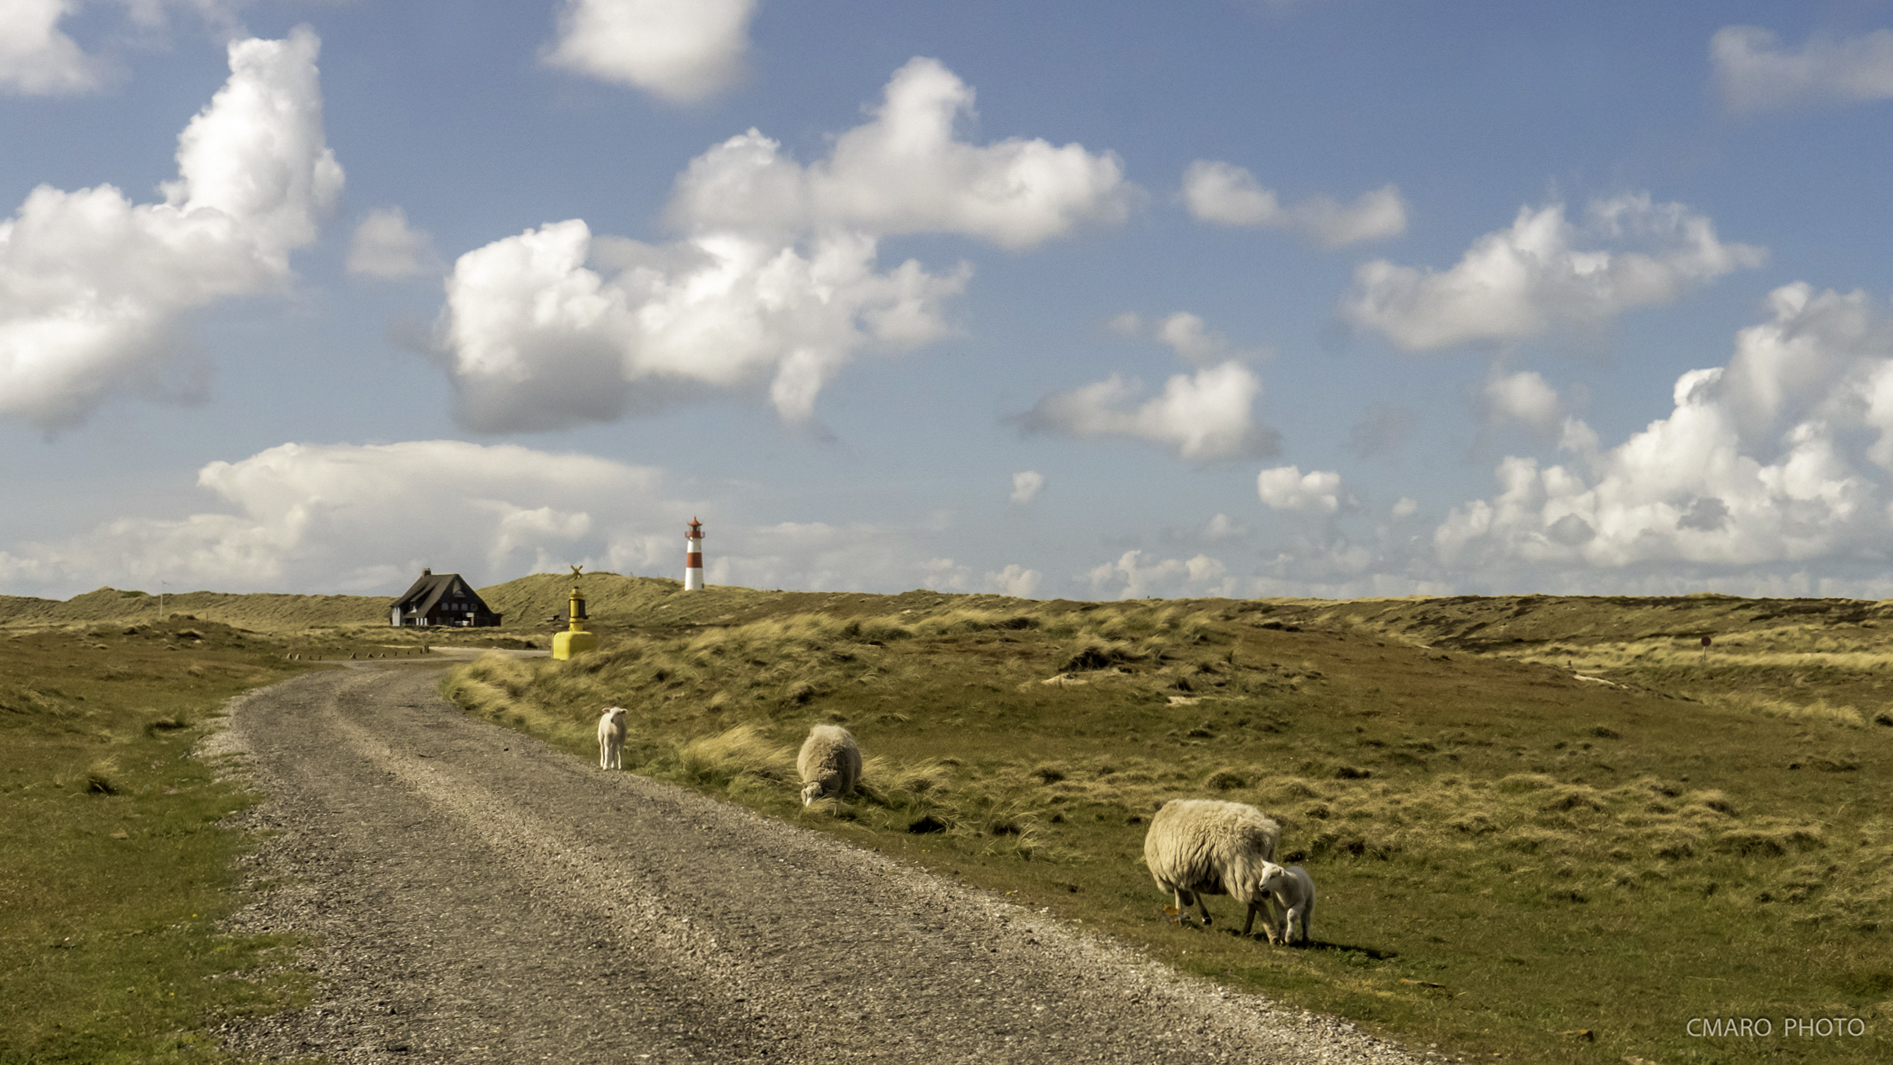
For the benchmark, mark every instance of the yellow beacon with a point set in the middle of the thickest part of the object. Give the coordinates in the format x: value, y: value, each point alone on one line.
x: 575, y: 640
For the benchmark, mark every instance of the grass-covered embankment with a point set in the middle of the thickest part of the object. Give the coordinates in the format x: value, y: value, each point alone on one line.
x: 113, y: 868
x: 1518, y: 860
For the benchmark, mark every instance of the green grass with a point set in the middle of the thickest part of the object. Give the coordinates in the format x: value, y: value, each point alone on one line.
x: 1515, y: 863
x: 114, y: 870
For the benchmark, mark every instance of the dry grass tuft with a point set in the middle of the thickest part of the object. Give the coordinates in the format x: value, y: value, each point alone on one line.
x: 101, y: 777
x: 740, y: 753
x: 904, y: 786
x: 1519, y: 783
x: 1226, y: 779
x: 1818, y: 710
x: 160, y: 724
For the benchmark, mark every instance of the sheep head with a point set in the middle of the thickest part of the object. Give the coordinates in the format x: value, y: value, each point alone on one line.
x: 1274, y: 878
x: 811, y: 791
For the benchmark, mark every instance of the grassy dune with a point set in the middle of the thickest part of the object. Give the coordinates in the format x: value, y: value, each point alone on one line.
x: 260, y: 612
x: 323, y: 626
x: 1544, y: 830
x: 113, y: 869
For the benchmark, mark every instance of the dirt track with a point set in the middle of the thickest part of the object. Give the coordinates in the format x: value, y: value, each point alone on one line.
x: 475, y: 895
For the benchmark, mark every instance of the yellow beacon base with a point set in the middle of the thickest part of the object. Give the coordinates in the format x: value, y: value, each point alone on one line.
x: 567, y: 644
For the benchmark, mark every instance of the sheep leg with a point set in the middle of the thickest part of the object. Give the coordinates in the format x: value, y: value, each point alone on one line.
x: 1203, y: 908
x: 1183, y: 900
x: 1271, y: 918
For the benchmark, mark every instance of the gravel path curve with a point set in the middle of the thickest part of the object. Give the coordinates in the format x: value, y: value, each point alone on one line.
x: 474, y: 895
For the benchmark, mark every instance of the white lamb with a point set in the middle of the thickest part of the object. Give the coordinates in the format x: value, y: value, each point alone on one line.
x: 611, y: 738
x: 1292, y: 891
x: 830, y: 763
x: 1198, y: 847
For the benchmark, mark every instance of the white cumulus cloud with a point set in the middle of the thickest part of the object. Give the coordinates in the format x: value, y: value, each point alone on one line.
x: 92, y: 286
x: 1525, y: 397
x: 1287, y: 488
x: 907, y: 171
x: 1015, y: 581
x: 1221, y: 527
x: 1228, y: 195
x: 1204, y: 416
x: 341, y: 517
x: 1131, y: 576
x: 385, y: 246
x: 1545, y: 274
x: 554, y: 327
x: 327, y: 518
x: 1186, y: 334
x: 1755, y: 73
x: 36, y: 56
x: 1779, y: 457
x: 1026, y: 486
x: 681, y: 50
x: 775, y: 283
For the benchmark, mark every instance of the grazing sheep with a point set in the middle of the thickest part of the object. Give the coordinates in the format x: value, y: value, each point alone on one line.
x: 1198, y: 847
x: 1292, y: 891
x: 830, y: 763
x: 611, y: 738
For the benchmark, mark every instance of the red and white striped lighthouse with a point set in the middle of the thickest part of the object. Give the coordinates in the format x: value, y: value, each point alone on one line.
x: 693, y: 557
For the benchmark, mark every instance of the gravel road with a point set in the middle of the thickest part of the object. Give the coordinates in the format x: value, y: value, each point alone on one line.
x: 474, y: 895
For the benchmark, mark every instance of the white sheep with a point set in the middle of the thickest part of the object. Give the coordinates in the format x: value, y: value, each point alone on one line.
x: 1292, y: 891
x: 1198, y: 847
x: 611, y: 738
x: 830, y: 763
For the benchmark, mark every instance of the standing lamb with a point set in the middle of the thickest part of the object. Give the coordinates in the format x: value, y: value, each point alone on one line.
x: 611, y: 738
x: 1198, y: 847
x: 830, y: 763
x: 1292, y: 891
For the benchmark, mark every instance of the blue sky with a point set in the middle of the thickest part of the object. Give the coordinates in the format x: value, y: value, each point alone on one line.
x: 1329, y: 297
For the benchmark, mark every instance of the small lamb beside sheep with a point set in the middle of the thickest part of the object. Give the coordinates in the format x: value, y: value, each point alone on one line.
x: 830, y: 763
x: 1198, y: 847
x: 1292, y: 891
x: 611, y: 738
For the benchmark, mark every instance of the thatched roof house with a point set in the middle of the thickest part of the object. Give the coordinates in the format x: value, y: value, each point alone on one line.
x: 441, y: 599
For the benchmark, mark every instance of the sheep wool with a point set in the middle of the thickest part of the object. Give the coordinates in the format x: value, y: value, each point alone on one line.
x: 611, y: 738
x: 1198, y: 847
x: 830, y: 763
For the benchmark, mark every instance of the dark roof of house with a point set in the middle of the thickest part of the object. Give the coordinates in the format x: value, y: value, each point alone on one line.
x: 431, y: 588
